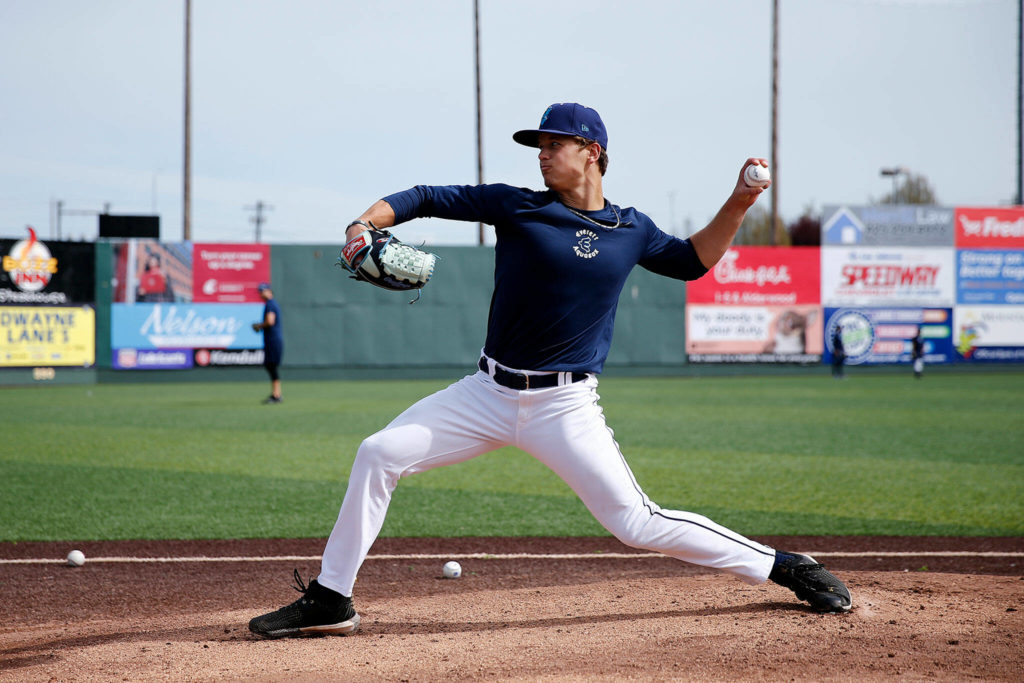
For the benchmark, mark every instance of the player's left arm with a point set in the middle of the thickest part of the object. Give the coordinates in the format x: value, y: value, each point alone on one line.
x: 714, y: 240
x: 380, y: 215
x: 269, y: 319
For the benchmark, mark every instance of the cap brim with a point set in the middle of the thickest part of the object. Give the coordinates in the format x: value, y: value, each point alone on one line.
x: 530, y: 138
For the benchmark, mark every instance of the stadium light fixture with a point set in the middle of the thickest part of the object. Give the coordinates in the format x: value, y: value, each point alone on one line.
x: 894, y: 172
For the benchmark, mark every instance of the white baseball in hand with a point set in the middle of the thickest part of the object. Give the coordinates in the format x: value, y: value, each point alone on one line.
x: 756, y: 175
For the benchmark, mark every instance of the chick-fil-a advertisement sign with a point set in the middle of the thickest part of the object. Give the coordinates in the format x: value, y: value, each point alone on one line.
x: 229, y: 273
x: 758, y: 305
x: 761, y: 276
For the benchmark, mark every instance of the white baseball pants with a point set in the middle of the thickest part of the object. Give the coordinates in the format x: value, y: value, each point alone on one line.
x: 561, y: 426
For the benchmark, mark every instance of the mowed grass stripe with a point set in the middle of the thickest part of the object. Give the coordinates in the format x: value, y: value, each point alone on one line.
x: 877, y: 453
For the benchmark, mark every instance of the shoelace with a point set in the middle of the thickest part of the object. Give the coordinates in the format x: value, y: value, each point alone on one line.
x: 299, y: 585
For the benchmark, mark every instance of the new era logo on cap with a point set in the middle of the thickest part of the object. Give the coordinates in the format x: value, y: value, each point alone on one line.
x: 567, y: 118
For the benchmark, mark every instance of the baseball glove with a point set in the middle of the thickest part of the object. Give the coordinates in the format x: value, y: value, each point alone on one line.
x: 378, y: 257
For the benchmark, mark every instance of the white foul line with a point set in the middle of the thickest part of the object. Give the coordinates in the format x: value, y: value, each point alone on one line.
x: 490, y: 556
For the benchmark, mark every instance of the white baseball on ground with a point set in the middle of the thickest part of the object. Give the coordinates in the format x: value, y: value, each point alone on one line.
x: 452, y: 570
x: 756, y: 175
x: 76, y: 558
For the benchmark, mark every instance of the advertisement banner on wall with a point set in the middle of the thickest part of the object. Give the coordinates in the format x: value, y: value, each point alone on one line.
x: 758, y: 305
x: 992, y: 334
x: 990, y: 228
x: 753, y: 334
x: 887, y: 225
x: 990, y: 276
x: 873, y: 336
x: 148, y: 271
x: 33, y: 336
x: 229, y: 273
x: 48, y: 273
x: 761, y: 276
x: 880, y: 277
x: 185, y: 326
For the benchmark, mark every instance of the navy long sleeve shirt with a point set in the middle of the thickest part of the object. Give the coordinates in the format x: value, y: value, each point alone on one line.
x: 557, y: 276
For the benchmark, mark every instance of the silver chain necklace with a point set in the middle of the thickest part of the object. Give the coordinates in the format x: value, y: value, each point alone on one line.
x: 618, y: 218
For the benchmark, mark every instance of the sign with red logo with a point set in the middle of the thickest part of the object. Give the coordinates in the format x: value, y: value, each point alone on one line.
x: 46, y: 273
x: 996, y: 228
x: 229, y: 273
x: 911, y: 277
x: 761, y: 276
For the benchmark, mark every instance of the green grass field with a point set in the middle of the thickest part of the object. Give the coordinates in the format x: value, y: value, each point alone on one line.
x: 876, y: 454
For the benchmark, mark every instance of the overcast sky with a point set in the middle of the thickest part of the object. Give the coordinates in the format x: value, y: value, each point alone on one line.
x: 320, y: 107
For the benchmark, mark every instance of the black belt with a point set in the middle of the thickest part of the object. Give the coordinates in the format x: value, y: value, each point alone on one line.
x: 520, y: 381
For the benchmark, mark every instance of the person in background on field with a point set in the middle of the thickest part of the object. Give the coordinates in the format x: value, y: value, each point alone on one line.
x: 917, y: 353
x: 273, y: 341
x: 838, y: 352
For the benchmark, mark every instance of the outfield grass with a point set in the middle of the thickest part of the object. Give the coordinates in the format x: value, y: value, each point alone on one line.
x: 875, y: 454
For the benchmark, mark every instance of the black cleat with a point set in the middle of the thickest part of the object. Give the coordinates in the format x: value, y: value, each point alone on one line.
x: 812, y: 582
x: 270, y: 400
x: 319, y: 612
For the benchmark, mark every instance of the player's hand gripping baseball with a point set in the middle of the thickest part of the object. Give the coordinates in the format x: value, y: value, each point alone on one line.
x: 754, y: 178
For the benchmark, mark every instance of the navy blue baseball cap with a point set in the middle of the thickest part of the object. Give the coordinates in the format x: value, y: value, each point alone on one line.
x: 566, y: 118
x: 263, y: 285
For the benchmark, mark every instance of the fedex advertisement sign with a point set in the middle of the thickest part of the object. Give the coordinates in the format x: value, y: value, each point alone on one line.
x: 990, y: 228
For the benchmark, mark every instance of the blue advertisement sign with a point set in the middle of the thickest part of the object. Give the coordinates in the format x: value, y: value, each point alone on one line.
x: 874, y: 336
x: 174, y: 326
x: 887, y: 225
x: 161, y: 359
x: 990, y: 276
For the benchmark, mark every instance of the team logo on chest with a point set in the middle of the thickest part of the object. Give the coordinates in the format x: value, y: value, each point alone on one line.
x: 584, y: 247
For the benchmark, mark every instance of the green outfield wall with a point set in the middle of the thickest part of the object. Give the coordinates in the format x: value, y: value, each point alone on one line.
x: 331, y: 320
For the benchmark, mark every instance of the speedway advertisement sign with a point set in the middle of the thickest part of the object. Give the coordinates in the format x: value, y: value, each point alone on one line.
x: 758, y: 305
x: 229, y: 273
x: 35, y: 272
x: 33, y: 336
x: 991, y: 228
x: 880, y: 277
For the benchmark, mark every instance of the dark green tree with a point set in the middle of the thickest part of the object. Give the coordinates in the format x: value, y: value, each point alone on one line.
x: 910, y: 189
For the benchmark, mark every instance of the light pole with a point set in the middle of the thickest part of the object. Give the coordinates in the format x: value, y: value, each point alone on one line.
x: 894, y: 173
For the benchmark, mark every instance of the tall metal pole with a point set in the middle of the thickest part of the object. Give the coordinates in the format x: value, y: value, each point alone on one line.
x: 1020, y: 102
x: 479, y: 119
x: 775, y: 119
x: 187, y: 171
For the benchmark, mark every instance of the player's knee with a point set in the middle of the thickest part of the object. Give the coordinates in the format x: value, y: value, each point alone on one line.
x: 625, y: 525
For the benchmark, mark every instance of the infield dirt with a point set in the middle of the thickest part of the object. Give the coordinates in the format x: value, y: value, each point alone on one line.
x: 915, y: 617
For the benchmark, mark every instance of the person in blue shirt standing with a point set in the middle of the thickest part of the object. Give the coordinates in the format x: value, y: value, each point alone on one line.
x: 273, y: 341
x: 838, y: 352
x: 562, y: 257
